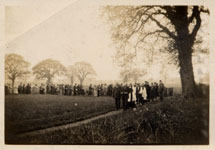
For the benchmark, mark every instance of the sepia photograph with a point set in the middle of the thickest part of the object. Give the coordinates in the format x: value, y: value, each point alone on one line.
x: 102, y: 74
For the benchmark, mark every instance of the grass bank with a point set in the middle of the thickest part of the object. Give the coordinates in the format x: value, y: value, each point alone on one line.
x: 173, y: 121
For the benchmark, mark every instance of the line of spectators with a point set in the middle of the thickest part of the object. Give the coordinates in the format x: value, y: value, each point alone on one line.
x: 137, y: 93
x: 61, y: 89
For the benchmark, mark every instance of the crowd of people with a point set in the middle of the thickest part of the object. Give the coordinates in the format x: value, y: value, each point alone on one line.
x: 61, y: 89
x: 127, y: 94
x: 130, y: 95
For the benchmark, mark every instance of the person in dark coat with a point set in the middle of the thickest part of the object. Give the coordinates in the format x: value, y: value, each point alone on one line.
x: 90, y: 90
x: 130, y: 98
x: 124, y: 95
x: 48, y: 89
x: 152, y: 92
x: 117, y: 96
x: 148, y: 90
x: 138, y: 94
x: 99, y: 90
x: 161, y: 90
x: 75, y: 90
x: 20, y: 88
x: 156, y: 90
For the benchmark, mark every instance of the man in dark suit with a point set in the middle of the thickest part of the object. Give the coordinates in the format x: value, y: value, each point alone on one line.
x: 138, y: 93
x: 117, y: 96
x: 124, y: 95
x: 75, y: 89
x: 148, y: 90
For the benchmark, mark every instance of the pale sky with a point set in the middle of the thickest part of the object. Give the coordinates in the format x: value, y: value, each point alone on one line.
x: 66, y: 31
x: 76, y: 33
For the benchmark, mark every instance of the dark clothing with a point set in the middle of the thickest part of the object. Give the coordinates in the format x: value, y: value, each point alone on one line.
x: 156, y: 91
x: 75, y: 90
x: 124, y: 94
x: 117, y: 96
x: 137, y: 94
x: 20, y: 89
x: 90, y: 90
x: 161, y: 91
x: 152, y: 93
x: 148, y: 91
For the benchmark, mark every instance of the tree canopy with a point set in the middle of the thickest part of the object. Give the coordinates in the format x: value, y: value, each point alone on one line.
x: 15, y: 67
x: 135, y: 27
x: 82, y: 70
x: 48, y: 69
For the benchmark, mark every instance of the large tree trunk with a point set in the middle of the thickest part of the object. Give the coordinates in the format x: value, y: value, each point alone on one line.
x: 184, y: 46
x: 186, y: 73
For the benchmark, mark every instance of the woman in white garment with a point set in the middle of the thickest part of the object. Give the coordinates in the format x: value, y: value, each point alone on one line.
x: 134, y: 93
x: 134, y: 98
x: 143, y: 92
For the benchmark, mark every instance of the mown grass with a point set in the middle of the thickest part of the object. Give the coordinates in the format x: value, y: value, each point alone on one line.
x: 173, y: 121
x: 32, y: 112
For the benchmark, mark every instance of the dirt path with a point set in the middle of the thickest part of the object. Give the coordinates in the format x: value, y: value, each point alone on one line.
x: 70, y: 125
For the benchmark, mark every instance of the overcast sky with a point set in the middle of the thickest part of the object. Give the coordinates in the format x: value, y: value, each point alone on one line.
x: 76, y: 33
x: 66, y: 31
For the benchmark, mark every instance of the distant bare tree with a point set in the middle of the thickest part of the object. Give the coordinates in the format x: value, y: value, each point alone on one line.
x: 82, y: 70
x: 132, y: 74
x: 71, y: 73
x: 15, y: 67
x: 48, y: 69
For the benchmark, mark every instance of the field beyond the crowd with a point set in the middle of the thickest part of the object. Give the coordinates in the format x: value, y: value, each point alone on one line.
x: 25, y: 113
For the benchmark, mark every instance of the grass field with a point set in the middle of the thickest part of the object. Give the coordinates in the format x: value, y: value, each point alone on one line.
x: 173, y: 121
x: 32, y: 112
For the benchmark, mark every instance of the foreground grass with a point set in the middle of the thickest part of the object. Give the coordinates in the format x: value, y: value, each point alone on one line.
x: 173, y: 121
x: 32, y: 112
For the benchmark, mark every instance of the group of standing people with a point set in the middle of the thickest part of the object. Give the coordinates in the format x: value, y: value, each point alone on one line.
x: 130, y: 95
x: 127, y: 95
x: 61, y: 89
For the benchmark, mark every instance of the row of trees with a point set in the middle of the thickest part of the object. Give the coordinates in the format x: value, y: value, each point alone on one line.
x: 17, y: 67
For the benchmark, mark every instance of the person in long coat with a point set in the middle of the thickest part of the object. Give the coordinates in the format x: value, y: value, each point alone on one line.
x: 130, y: 96
x: 148, y: 90
x: 117, y: 96
x: 161, y: 90
x: 124, y: 95
x: 20, y: 88
x: 152, y: 92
